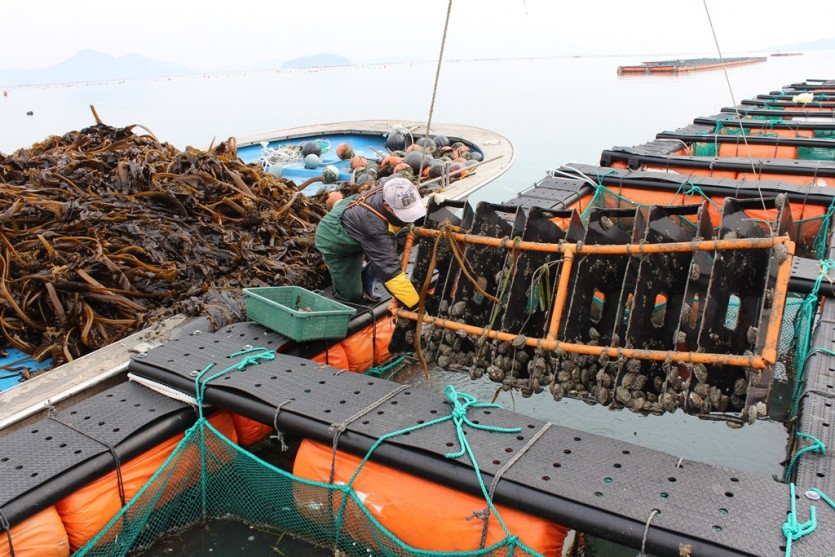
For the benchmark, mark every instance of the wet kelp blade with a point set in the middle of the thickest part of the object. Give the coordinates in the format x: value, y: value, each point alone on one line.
x: 105, y: 231
x: 643, y: 312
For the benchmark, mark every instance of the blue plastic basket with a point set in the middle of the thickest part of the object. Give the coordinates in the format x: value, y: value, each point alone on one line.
x: 297, y: 313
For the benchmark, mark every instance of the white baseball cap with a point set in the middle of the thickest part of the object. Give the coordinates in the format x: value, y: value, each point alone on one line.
x: 404, y: 199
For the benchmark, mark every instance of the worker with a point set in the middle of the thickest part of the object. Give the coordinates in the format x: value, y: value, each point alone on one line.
x: 363, y: 227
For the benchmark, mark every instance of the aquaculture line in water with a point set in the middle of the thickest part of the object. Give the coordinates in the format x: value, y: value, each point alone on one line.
x: 210, y: 477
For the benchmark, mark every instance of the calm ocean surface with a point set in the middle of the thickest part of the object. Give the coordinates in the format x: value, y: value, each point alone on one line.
x: 554, y: 111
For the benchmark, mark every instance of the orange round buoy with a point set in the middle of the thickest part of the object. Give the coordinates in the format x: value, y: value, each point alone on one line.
x: 344, y: 151
x: 333, y: 198
x: 391, y: 160
x: 358, y: 162
x: 454, y: 173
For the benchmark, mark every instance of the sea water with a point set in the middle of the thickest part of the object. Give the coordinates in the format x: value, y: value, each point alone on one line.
x: 554, y: 111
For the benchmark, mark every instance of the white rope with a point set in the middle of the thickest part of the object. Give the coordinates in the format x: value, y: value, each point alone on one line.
x: 438, y: 69
x: 287, y: 154
x: 282, y: 155
x: 165, y: 390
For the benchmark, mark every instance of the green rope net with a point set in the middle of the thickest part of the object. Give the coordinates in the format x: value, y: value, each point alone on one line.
x: 209, y: 477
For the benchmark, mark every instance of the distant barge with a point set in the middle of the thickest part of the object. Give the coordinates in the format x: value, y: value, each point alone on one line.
x: 681, y: 66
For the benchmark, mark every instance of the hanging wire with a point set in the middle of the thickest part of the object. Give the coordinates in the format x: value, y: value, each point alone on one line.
x: 733, y: 100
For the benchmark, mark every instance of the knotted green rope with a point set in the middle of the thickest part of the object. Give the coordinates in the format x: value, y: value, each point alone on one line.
x: 817, y: 446
x: 694, y: 190
x: 200, y: 389
x: 794, y: 530
x: 461, y: 403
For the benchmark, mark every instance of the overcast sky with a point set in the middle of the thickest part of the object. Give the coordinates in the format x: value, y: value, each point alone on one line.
x: 212, y: 34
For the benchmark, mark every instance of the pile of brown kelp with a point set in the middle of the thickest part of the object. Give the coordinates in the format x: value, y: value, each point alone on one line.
x: 103, y: 231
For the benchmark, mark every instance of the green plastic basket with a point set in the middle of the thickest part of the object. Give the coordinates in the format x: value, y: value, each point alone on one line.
x: 297, y: 313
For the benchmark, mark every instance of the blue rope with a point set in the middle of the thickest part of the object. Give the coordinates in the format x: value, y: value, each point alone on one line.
x: 200, y: 389
x: 461, y: 404
x: 794, y: 530
x: 823, y: 496
x: 817, y: 446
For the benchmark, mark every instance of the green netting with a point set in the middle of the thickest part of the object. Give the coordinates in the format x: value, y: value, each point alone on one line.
x: 210, y: 477
x: 825, y: 134
x: 816, y: 153
x: 704, y: 149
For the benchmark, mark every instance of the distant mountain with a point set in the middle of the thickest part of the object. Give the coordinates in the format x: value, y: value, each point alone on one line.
x: 89, y: 65
x: 820, y: 44
x: 316, y: 61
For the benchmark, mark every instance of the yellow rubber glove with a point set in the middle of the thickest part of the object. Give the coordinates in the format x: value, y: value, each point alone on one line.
x: 402, y: 289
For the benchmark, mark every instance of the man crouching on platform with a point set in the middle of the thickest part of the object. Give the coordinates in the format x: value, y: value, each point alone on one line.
x: 363, y: 226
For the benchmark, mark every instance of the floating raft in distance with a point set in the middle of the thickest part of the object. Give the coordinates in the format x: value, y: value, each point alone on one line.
x: 681, y: 66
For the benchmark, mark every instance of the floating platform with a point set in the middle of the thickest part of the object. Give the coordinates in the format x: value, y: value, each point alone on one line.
x: 615, y: 490
x: 683, y: 66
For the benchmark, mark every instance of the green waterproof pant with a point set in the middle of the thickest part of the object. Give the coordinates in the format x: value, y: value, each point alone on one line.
x: 342, y: 254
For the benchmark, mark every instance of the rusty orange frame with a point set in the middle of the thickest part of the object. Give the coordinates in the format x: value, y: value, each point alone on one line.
x: 767, y: 358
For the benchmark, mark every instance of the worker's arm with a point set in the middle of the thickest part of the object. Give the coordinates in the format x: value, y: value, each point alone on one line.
x: 380, y: 247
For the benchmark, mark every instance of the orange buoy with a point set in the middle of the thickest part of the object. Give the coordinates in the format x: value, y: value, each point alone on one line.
x: 88, y: 510
x: 408, y: 507
x: 344, y: 151
x: 333, y: 198
x: 358, y: 162
x: 40, y: 535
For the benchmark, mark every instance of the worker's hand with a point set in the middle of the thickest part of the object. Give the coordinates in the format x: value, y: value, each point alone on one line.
x: 402, y: 289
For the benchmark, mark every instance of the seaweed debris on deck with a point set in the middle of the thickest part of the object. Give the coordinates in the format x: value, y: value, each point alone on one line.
x: 681, y: 66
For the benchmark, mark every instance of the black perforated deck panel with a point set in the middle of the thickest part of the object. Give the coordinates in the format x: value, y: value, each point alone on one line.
x: 818, y: 410
x: 49, y: 459
x: 586, y: 481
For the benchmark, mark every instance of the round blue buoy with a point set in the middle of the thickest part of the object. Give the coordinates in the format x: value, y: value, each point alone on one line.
x: 312, y: 161
x: 276, y: 170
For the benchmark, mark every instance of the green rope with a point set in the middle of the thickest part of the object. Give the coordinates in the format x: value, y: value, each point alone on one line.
x: 461, y: 404
x: 803, y: 332
x: 817, y: 446
x: 823, y: 496
x: 695, y: 190
x: 822, y: 237
x: 200, y: 389
x: 794, y: 530
x: 379, y: 370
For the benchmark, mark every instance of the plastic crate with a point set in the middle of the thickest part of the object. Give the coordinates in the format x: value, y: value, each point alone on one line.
x: 297, y: 313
